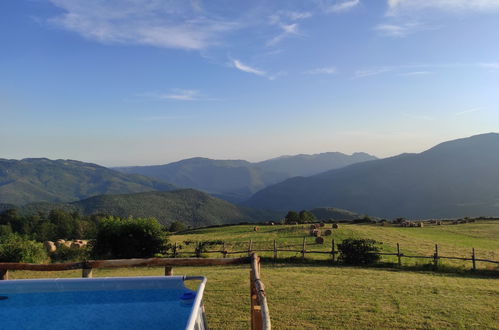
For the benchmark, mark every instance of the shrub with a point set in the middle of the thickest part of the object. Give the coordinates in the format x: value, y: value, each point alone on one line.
x: 65, y: 253
x: 177, y: 226
x: 16, y: 248
x: 358, y: 251
x: 129, y: 238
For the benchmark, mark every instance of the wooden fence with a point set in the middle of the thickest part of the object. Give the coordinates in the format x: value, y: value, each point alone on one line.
x: 260, y: 316
x: 333, y: 252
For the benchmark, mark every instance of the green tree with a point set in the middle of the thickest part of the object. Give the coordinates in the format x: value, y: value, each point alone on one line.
x: 129, y: 238
x: 177, y: 226
x: 292, y: 217
x: 358, y: 251
x: 16, y: 248
x: 306, y: 217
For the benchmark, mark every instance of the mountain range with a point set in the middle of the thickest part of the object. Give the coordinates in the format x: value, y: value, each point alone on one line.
x: 42, y: 180
x: 237, y: 180
x: 453, y: 179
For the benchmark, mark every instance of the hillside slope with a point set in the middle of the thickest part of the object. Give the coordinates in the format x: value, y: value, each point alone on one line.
x: 237, y: 180
x: 454, y: 179
x: 189, y: 206
x: 43, y: 180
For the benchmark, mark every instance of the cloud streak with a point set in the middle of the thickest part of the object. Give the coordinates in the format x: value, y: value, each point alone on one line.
x: 396, y: 7
x: 324, y: 70
x: 464, y: 112
x: 178, y: 25
x: 343, y: 6
x: 246, y: 68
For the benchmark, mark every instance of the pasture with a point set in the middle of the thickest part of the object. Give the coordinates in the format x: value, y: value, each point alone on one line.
x: 305, y: 296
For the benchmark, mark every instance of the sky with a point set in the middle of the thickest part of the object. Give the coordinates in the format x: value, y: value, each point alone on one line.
x: 137, y: 82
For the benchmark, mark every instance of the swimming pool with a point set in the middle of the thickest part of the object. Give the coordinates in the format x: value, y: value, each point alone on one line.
x: 102, y: 303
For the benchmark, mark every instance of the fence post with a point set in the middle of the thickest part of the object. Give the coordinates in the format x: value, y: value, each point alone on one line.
x: 303, y: 248
x: 4, y: 274
x: 399, y: 256
x: 86, y: 272
x: 168, y: 270
x: 198, y: 250
x: 175, y: 250
x: 473, y: 258
x: 275, y: 252
x: 333, y: 252
x: 435, y: 256
x: 224, y: 251
x: 250, y: 247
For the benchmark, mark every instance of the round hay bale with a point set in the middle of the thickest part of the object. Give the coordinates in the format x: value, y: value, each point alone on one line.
x: 319, y: 240
x: 49, y: 246
x: 322, y: 224
x: 312, y: 227
x: 335, y: 226
x: 59, y: 242
x: 76, y: 245
x: 328, y: 232
x: 256, y: 228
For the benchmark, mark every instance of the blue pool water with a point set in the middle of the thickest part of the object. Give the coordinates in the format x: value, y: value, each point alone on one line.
x: 118, y: 306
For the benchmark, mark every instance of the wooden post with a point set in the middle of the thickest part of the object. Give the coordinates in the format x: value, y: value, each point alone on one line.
x: 303, y: 248
x: 4, y: 274
x: 168, y: 270
x: 333, y: 252
x: 224, y: 251
x: 250, y: 247
x: 399, y: 256
x: 275, y: 252
x: 473, y: 258
x: 435, y: 256
x: 86, y: 272
x: 175, y: 250
x: 198, y: 250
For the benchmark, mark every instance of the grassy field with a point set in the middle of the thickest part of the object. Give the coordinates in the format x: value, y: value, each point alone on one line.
x: 453, y: 240
x: 308, y: 297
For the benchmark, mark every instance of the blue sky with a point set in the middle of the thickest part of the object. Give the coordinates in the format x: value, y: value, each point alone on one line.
x: 132, y: 82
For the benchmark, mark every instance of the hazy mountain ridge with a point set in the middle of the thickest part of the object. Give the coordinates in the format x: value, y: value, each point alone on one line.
x: 236, y: 180
x: 189, y: 206
x: 453, y: 179
x: 44, y: 180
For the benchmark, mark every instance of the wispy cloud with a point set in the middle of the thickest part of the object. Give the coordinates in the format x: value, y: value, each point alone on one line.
x: 156, y: 23
x: 421, y: 69
x: 325, y: 70
x: 372, y: 72
x: 181, y: 95
x: 490, y: 65
x: 246, y: 68
x: 287, y: 30
x: 467, y: 111
x: 396, y: 7
x: 343, y: 6
x: 401, y: 30
x: 416, y: 73
x: 287, y: 23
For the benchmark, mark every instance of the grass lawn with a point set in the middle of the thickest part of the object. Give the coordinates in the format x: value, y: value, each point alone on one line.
x: 306, y: 297
x: 453, y: 240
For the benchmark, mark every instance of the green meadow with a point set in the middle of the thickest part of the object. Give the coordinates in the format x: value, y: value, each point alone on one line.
x: 320, y: 295
x: 453, y: 240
